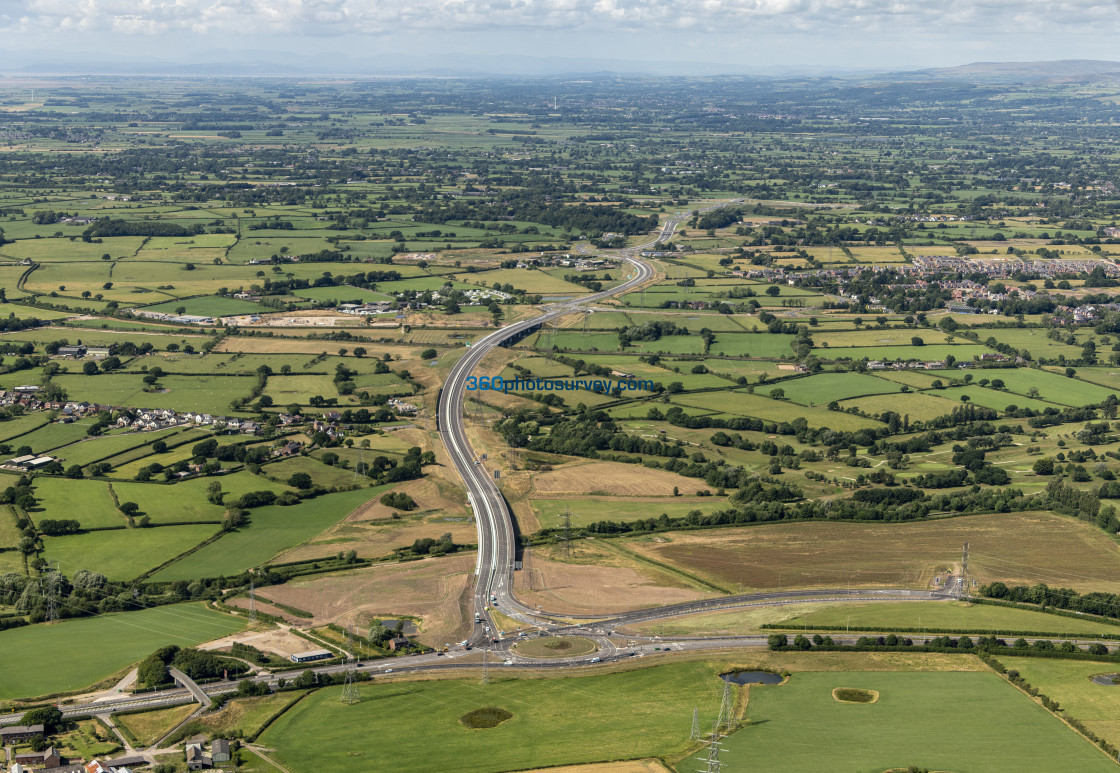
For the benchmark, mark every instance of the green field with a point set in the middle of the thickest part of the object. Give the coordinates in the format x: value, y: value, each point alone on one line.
x: 42, y: 659
x: 21, y: 425
x: 992, y: 727
x: 122, y: 554
x: 271, y: 530
x: 55, y: 435
x: 990, y: 398
x: 762, y: 407
x: 209, y: 306
x: 555, y: 722
x: 173, y: 502
x: 826, y: 387
x: 918, y: 406
x: 1069, y: 682
x: 876, y: 337
x: 953, y: 616
x: 1052, y: 387
x: 342, y: 294
x: 324, y: 475
x: 927, y: 353
x: 87, y: 501
x: 94, y: 449
x: 201, y: 393
x: 587, y: 510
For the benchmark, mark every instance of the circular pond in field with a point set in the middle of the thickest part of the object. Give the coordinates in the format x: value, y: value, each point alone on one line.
x: 1108, y: 680
x: 555, y: 647
x: 487, y: 716
x: 751, y: 677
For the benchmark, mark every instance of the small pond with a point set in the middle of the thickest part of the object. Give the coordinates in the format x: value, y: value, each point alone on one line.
x: 751, y: 677
x: 1108, y: 680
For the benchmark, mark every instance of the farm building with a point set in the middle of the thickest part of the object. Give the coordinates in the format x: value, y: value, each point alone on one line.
x: 48, y: 759
x: 219, y: 750
x: 28, y: 462
x: 19, y: 733
x: 310, y: 655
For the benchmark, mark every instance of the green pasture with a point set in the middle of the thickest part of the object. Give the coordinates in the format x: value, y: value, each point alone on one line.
x: 87, y: 501
x: 122, y: 554
x: 1069, y: 682
x: 589, y: 509
x: 876, y: 337
x: 927, y: 353
x: 14, y: 430
x: 200, y: 393
x: 826, y: 387
x: 322, y: 474
x: 1033, y: 341
x: 919, y: 406
x: 209, y: 306
x: 342, y: 294
x: 95, y: 449
x: 55, y: 435
x: 990, y: 398
x: 271, y: 530
x: 43, y: 659
x: 955, y: 616
x: 627, y: 715
x: 1052, y: 387
x: 994, y: 727
x: 759, y: 406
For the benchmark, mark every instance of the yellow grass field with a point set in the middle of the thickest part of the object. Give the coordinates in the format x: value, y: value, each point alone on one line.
x: 616, y: 478
x: 1016, y: 548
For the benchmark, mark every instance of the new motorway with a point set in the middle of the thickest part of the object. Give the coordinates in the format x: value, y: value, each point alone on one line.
x: 497, y: 550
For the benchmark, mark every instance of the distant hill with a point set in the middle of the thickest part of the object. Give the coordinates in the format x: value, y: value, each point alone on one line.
x: 1018, y: 72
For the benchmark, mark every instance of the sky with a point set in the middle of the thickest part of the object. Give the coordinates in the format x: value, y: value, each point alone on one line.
x: 639, y: 35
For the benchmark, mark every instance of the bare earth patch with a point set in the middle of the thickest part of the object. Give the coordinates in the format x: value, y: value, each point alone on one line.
x: 423, y: 491
x: 598, y: 581
x: 377, y: 538
x: 430, y: 590
x: 277, y: 641
x: 614, y: 478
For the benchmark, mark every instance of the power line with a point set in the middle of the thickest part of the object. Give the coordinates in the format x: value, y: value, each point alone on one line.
x: 567, y: 532
x: 723, y: 723
x: 714, y: 746
x: 527, y: 567
x: 695, y: 734
x: 964, y: 571
x: 349, y: 694
x: 52, y: 592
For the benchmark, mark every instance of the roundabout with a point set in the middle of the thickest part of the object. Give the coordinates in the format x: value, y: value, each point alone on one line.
x: 555, y: 647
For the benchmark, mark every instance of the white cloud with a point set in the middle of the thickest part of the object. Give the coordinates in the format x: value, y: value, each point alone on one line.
x: 950, y: 18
